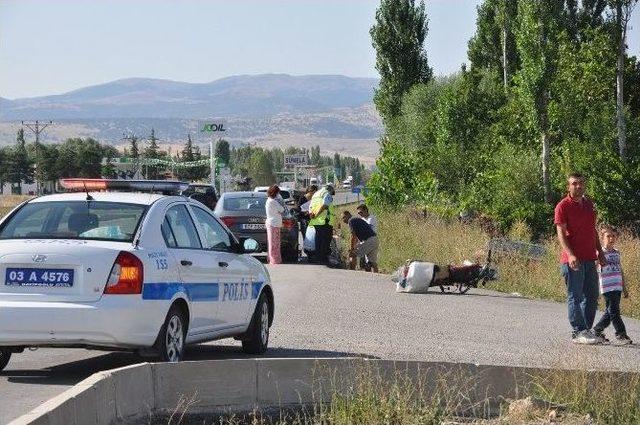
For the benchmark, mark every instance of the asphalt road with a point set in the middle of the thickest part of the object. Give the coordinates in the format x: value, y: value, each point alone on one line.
x: 322, y: 312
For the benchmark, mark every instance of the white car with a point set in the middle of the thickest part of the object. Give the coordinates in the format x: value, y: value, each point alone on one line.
x: 136, y: 271
x: 285, y: 192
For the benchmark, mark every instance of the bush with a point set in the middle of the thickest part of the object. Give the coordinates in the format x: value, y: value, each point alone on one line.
x: 510, y: 190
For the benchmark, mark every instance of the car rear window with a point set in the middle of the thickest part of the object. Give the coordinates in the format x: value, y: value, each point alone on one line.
x: 200, y: 189
x: 90, y: 220
x: 245, y: 204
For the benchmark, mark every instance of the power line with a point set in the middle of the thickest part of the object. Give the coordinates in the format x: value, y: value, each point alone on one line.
x: 36, y: 127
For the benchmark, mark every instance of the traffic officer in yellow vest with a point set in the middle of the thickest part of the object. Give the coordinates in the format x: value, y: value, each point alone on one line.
x: 323, y: 218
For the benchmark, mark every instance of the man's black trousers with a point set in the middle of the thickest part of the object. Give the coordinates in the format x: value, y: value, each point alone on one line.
x: 324, y: 233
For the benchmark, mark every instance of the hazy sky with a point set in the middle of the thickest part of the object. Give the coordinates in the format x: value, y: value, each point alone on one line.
x: 50, y: 47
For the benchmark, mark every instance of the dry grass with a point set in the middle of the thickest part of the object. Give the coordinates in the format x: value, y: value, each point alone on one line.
x: 10, y: 201
x: 7, y: 202
x: 607, y: 398
x: 371, y: 396
x: 437, y: 396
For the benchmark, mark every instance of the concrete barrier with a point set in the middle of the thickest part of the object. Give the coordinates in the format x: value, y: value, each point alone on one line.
x: 212, y: 384
x: 138, y: 391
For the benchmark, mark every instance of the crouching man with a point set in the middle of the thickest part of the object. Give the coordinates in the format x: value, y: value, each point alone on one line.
x: 364, y: 241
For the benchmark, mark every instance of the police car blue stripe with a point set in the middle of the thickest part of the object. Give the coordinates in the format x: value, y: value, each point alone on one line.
x: 255, y: 289
x: 203, y: 291
x: 194, y: 291
x: 161, y: 291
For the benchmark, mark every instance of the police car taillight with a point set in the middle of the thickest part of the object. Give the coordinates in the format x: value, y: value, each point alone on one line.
x: 126, y: 275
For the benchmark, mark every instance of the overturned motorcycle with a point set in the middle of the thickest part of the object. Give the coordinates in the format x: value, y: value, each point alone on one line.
x: 419, y: 276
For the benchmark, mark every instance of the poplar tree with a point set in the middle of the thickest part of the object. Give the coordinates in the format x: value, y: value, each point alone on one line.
x: 398, y: 37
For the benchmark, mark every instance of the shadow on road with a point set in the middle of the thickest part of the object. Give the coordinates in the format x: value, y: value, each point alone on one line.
x: 217, y: 352
x: 71, y: 373
x: 472, y: 294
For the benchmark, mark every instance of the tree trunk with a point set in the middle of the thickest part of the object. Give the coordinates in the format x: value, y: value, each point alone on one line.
x: 546, y: 179
x: 621, y: 125
x: 622, y: 130
x: 504, y: 56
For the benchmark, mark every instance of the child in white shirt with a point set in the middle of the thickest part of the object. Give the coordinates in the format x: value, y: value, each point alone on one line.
x: 612, y: 286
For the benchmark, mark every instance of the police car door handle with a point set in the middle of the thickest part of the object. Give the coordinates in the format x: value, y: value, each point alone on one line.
x: 186, y: 262
x: 223, y: 264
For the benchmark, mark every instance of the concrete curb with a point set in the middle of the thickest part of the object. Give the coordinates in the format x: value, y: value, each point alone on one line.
x: 245, y: 384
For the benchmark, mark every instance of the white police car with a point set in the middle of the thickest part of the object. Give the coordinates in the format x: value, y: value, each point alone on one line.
x: 137, y: 271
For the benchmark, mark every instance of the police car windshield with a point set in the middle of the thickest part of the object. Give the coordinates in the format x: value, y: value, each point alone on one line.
x: 88, y: 220
x: 245, y: 204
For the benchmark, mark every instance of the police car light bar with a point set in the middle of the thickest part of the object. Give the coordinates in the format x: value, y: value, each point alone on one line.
x: 167, y: 187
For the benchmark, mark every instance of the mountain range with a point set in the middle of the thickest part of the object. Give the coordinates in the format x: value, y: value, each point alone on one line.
x: 269, y: 109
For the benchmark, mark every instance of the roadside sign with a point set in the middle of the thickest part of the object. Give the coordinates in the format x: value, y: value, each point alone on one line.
x: 212, y: 127
x: 356, y: 189
x: 296, y: 160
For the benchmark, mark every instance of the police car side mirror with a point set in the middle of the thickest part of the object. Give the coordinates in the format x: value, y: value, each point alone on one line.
x: 250, y: 245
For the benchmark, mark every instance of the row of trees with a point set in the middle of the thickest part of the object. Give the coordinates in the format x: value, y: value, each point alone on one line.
x: 77, y: 157
x: 550, y: 90
x: 246, y: 162
x: 189, y: 153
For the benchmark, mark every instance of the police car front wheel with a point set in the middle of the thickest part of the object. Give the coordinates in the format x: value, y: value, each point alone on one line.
x: 258, y: 334
x: 5, y: 356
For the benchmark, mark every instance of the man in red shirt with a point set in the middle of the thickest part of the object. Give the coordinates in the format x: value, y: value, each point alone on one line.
x: 575, y: 220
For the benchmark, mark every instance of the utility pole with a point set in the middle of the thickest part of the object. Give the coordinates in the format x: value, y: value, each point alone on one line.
x: 213, y: 128
x: 36, y: 128
x: 212, y: 162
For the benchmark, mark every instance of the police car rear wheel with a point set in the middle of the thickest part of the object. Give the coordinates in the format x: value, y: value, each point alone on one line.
x: 5, y: 356
x: 258, y: 334
x: 173, y: 336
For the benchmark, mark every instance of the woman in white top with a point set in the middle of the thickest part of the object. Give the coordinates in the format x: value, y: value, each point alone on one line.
x: 274, y: 223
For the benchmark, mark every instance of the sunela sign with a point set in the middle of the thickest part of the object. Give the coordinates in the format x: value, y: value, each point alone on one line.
x: 296, y: 160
